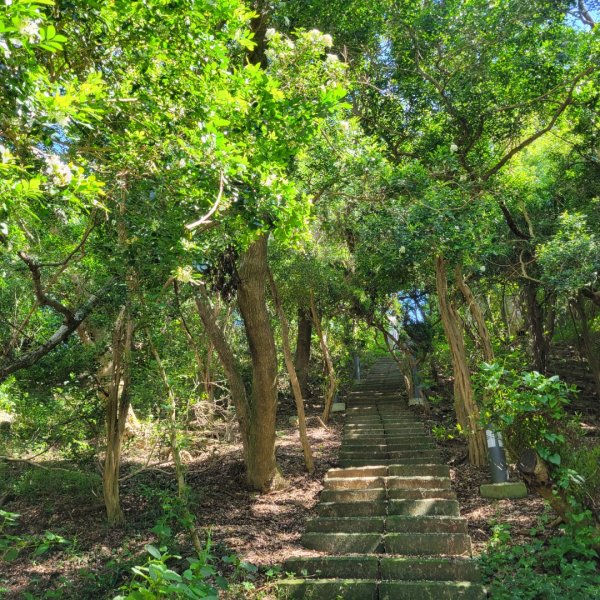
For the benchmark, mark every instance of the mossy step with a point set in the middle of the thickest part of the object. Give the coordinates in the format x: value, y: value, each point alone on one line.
x: 427, y: 543
x: 354, y: 483
x: 412, y: 524
x: 352, y: 509
x: 420, y: 470
x: 431, y: 569
x: 397, y: 454
x: 430, y: 590
x: 388, y: 442
x: 427, y: 507
x: 422, y: 482
x: 346, y: 525
x: 401, y: 454
x: 334, y: 567
x: 421, y: 494
x: 425, y: 444
x: 417, y: 443
x: 365, y: 462
x: 367, y: 495
x: 344, y: 543
x: 327, y: 589
x: 356, y: 472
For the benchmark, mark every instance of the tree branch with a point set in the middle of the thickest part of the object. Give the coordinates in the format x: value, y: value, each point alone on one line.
x: 59, y: 336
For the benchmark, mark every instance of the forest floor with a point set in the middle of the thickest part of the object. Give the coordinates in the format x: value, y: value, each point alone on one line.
x: 264, y: 529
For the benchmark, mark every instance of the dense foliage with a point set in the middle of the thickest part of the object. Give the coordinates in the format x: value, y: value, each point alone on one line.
x: 185, y: 182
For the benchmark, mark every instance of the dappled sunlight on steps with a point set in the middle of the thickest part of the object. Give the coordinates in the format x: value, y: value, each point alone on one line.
x: 388, y: 521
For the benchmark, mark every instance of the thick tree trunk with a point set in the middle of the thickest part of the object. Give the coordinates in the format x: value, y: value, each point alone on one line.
x: 467, y: 412
x: 253, y: 272
x: 302, y: 355
x: 295, y: 383
x: 117, y: 408
x: 587, y: 342
x: 332, y: 386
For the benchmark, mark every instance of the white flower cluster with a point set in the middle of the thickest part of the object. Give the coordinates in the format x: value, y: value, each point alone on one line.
x: 5, y: 155
x: 322, y: 38
x: 30, y: 29
x: 58, y: 170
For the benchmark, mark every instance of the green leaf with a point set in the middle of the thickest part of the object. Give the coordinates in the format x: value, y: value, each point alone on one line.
x: 153, y: 551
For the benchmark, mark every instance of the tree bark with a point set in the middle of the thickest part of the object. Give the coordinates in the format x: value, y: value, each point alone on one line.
x: 117, y: 408
x: 467, y: 412
x: 332, y: 386
x: 295, y: 383
x: 302, y: 355
x: 253, y: 273
x: 477, y: 315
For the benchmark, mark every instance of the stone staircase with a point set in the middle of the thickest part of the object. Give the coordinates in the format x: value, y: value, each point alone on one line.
x: 388, y: 522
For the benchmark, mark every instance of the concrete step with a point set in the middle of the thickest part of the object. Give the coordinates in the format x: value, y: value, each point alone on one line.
x: 367, y: 495
x: 427, y: 507
x: 354, y: 483
x: 327, y: 589
x: 424, y: 459
x: 389, y: 442
x: 399, y: 454
x: 421, y: 470
x: 356, y: 472
x: 421, y: 494
x: 345, y: 543
x: 346, y: 525
x: 337, y: 567
x: 434, y: 590
x: 424, y: 482
x: 353, y: 509
x: 410, y: 524
x: 430, y: 569
x: 455, y: 544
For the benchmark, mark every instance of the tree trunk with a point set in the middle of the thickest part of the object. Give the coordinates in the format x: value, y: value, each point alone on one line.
x: 587, y: 342
x: 295, y: 383
x: 237, y: 388
x: 117, y: 408
x: 477, y: 314
x: 332, y: 386
x: 302, y: 356
x: 467, y: 412
x: 253, y: 272
x: 541, y: 327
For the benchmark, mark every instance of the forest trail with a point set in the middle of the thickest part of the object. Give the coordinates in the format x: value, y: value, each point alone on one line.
x: 388, y: 520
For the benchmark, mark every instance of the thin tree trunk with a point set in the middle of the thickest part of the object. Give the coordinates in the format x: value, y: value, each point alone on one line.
x: 587, y: 342
x: 253, y: 272
x: 302, y: 355
x: 295, y: 383
x: 535, y: 316
x: 467, y: 412
x: 188, y: 517
x: 117, y: 408
x: 332, y: 387
x: 477, y: 314
x: 229, y: 363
